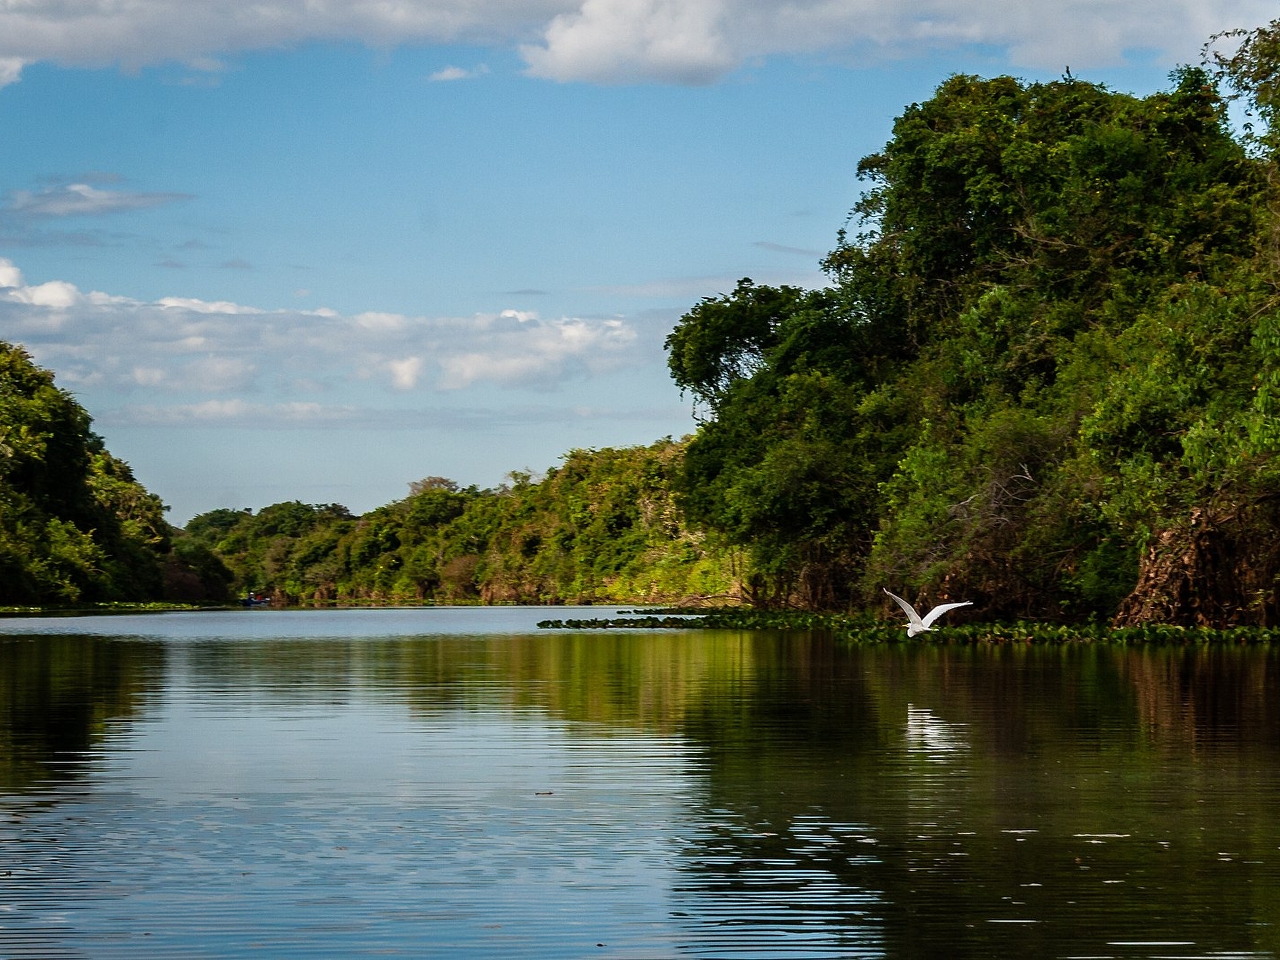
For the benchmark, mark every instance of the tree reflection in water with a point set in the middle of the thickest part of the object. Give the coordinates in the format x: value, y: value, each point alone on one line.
x: 705, y: 794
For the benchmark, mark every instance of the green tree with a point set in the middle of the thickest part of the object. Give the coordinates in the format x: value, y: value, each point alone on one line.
x: 1033, y: 346
x: 75, y: 525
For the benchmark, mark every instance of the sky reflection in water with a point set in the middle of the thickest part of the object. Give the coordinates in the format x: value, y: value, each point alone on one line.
x: 455, y: 783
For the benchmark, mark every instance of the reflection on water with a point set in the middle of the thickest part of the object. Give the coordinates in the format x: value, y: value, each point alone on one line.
x: 453, y: 783
x: 749, y: 891
x: 931, y: 737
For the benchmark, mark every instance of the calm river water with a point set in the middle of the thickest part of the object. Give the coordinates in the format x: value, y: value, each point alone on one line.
x: 457, y: 783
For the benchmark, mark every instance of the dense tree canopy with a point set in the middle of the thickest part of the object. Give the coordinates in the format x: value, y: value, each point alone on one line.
x: 1043, y: 376
x: 600, y: 527
x: 75, y: 526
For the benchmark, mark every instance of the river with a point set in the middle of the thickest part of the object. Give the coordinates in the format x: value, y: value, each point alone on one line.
x: 454, y: 782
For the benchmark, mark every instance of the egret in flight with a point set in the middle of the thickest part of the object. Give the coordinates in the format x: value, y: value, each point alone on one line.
x: 918, y: 624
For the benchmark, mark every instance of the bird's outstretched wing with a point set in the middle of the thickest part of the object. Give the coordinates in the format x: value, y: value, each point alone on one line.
x: 940, y: 609
x: 909, y: 610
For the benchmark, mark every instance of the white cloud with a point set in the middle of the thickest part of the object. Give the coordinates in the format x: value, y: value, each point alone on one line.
x: 217, y: 374
x: 629, y: 40
x: 698, y: 41
x: 188, y: 350
x: 405, y: 372
x: 380, y: 321
x: 612, y: 41
x: 449, y: 74
x: 10, y: 276
x: 464, y: 369
x: 81, y: 199
x: 204, y: 306
x: 10, y: 70
x: 545, y: 352
x: 219, y: 410
x: 55, y: 293
x: 143, y: 32
x: 234, y: 412
x: 304, y: 414
x: 148, y: 376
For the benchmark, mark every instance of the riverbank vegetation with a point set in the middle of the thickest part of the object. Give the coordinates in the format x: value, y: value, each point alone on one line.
x: 868, y: 627
x: 76, y: 528
x: 602, y: 527
x: 1044, y: 376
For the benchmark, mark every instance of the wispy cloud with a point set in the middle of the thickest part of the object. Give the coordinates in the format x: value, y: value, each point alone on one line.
x: 233, y: 412
x: 294, y: 415
x: 449, y: 74
x: 186, y: 348
x: 84, y: 200
x: 783, y: 248
x: 621, y: 41
x: 10, y: 70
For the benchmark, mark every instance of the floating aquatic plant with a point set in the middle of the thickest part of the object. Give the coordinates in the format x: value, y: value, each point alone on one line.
x: 864, y: 628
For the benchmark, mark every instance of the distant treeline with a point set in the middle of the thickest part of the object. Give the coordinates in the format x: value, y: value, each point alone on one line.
x: 1044, y: 377
x: 603, y: 526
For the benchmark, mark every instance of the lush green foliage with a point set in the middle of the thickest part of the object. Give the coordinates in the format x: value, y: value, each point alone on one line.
x: 863, y: 628
x: 1045, y: 377
x: 601, y: 527
x: 75, y: 526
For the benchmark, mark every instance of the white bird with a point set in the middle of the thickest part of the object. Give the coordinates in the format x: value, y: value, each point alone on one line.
x: 918, y: 624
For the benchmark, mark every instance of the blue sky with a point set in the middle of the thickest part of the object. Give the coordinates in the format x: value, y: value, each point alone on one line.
x: 314, y: 250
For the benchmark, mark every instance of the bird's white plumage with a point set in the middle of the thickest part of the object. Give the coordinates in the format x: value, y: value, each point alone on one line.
x: 918, y: 624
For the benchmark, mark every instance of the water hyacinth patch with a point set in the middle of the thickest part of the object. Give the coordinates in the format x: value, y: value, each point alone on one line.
x: 863, y: 628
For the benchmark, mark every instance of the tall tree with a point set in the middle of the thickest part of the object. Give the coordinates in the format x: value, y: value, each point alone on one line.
x: 74, y: 523
x: 968, y: 407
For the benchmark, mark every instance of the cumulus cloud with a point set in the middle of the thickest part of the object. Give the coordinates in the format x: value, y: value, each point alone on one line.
x: 567, y: 346
x: 10, y: 275
x: 405, y: 372
x: 697, y: 41
x: 191, y: 351
x: 57, y: 294
x: 628, y: 40
x: 618, y: 41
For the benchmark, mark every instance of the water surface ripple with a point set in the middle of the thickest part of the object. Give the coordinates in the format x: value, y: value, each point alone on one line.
x: 456, y: 783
